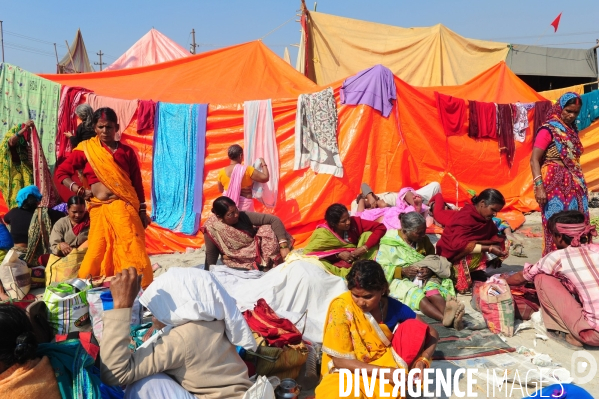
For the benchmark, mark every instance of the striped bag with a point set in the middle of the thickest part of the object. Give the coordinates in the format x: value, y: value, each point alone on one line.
x: 496, y: 303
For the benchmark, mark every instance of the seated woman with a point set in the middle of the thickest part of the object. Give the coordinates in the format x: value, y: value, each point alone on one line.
x: 371, y: 207
x: 246, y: 240
x: 366, y: 329
x: 196, y: 348
x: 236, y: 180
x: 470, y: 240
x: 22, y: 373
x: 344, y: 239
x: 566, y: 281
x: 402, y: 255
x: 30, y: 225
x: 70, y: 232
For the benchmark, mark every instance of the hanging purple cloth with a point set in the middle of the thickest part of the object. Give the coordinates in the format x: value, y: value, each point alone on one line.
x: 373, y: 86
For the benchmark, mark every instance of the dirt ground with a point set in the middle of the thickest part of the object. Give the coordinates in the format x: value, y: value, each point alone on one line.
x: 532, y: 249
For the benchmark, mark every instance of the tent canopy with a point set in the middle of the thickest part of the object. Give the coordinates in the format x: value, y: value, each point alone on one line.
x: 243, y: 72
x: 432, y: 56
x: 76, y: 59
x: 546, y: 61
x: 408, y: 148
x: 153, y: 48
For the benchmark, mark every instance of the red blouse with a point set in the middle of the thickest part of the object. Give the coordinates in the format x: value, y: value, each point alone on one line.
x: 124, y: 156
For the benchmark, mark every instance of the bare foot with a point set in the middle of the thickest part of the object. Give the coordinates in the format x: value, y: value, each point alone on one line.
x: 458, y: 321
x: 573, y: 341
x: 451, y: 307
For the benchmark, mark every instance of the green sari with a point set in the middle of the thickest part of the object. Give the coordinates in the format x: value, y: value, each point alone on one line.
x: 395, y: 252
x: 14, y: 176
x: 324, y: 244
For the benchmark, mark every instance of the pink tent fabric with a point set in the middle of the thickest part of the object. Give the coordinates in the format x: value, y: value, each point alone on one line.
x: 152, y: 48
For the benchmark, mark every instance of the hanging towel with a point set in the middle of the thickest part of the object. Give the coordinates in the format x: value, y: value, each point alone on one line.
x: 176, y: 148
x: 260, y: 142
x: 483, y: 120
x: 145, y: 115
x: 373, y: 86
x: 316, y: 134
x: 452, y: 112
x: 42, y: 177
x: 505, y: 135
x: 125, y: 109
x: 589, y: 111
x: 520, y: 120
x: 70, y: 97
x: 542, y: 109
x: 24, y: 95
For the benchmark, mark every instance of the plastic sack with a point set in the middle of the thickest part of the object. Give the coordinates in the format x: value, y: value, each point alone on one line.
x: 262, y: 389
x: 60, y: 269
x: 495, y: 302
x: 15, y: 275
x: 100, y: 300
x: 68, y: 310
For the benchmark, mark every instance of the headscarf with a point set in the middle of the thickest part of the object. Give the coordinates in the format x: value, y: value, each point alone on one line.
x: 182, y: 295
x: 566, y: 138
x: 26, y: 192
x: 576, y: 231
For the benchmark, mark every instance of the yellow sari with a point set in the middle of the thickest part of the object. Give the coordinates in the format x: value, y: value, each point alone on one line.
x: 116, y: 234
x: 352, y: 334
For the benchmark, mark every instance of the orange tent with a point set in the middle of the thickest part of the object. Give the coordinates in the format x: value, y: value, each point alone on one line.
x: 408, y: 148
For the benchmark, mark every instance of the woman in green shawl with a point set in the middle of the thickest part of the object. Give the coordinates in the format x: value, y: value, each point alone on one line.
x: 344, y: 239
x: 419, y: 278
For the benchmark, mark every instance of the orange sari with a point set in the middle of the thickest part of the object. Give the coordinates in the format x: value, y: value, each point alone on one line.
x: 116, y: 235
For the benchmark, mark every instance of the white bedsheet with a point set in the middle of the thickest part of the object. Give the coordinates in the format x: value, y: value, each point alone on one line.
x: 289, y: 289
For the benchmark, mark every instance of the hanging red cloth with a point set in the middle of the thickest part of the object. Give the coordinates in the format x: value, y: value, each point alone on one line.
x: 452, y: 112
x: 483, y: 120
x: 146, y: 110
x: 506, y: 140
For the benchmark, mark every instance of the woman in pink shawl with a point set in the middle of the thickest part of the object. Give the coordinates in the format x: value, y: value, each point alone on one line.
x: 236, y: 180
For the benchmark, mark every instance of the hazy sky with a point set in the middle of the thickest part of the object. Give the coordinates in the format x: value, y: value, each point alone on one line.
x: 113, y: 26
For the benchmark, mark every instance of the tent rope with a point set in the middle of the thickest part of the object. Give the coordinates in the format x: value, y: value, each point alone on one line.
x: 278, y: 27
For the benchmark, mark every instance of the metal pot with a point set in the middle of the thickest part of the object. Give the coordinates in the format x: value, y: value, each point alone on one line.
x: 288, y: 389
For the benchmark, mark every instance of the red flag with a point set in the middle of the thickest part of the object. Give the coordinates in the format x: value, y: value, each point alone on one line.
x: 555, y: 22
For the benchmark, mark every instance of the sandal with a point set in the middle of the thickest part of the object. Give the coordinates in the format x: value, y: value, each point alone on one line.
x: 518, y: 250
x: 560, y: 338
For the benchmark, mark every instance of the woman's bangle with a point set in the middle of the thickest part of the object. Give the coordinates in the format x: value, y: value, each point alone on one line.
x: 423, y: 359
x: 81, y: 192
x: 537, y: 178
x: 71, y: 186
x: 538, y: 183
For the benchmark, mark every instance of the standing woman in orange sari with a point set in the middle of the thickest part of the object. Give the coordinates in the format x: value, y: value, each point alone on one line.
x: 115, y: 198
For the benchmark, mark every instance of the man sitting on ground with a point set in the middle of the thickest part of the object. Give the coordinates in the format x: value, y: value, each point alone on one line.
x: 567, y: 282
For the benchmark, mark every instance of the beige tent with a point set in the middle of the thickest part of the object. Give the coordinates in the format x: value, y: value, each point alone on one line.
x: 76, y: 59
x: 434, y: 56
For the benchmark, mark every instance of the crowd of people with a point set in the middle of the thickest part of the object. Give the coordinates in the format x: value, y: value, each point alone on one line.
x: 379, y: 246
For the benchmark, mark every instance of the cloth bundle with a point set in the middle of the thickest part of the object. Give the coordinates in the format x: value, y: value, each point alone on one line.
x: 182, y: 295
x: 276, y: 330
